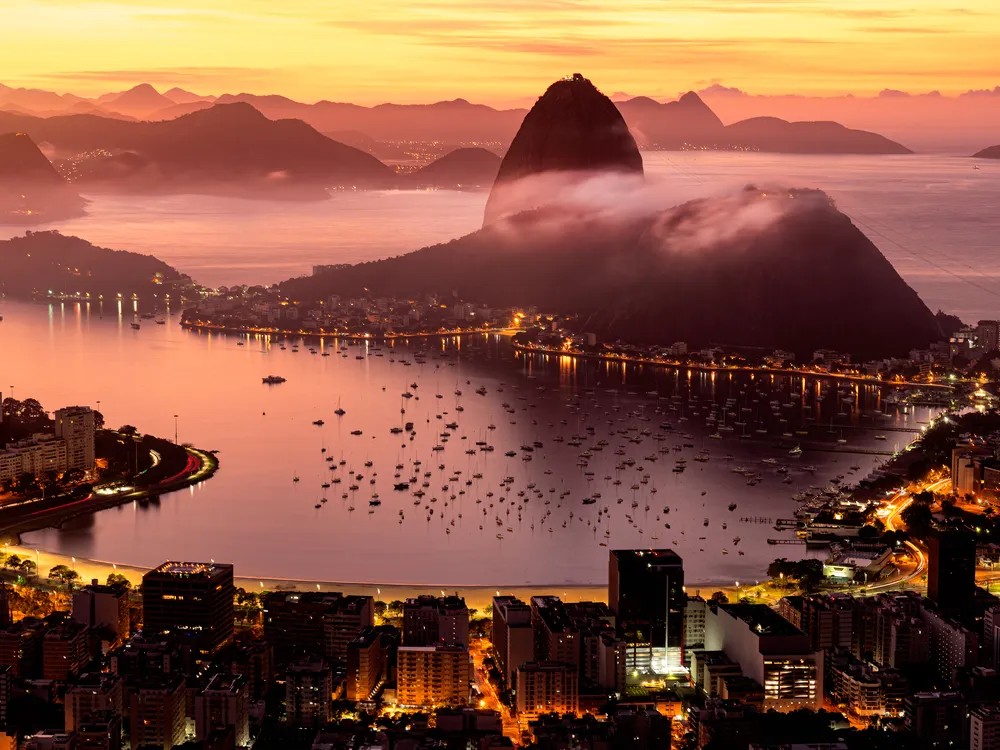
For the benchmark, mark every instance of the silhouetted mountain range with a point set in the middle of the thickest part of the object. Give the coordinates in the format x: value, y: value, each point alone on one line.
x: 686, y: 123
x: 228, y: 147
x: 31, y: 191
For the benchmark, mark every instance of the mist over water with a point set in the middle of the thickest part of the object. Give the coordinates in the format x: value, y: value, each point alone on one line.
x: 932, y: 216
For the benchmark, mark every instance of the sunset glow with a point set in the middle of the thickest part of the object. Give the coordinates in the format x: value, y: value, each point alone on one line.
x: 499, y: 53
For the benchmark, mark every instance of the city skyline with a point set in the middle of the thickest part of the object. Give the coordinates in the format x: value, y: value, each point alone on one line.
x: 413, y: 53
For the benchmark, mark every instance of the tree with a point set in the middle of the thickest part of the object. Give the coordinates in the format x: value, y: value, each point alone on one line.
x: 380, y: 608
x: 395, y: 607
x: 719, y: 597
x: 32, y: 411
x: 127, y: 429
x: 117, y: 579
x: 13, y: 562
x: 918, y: 518
x: 64, y: 574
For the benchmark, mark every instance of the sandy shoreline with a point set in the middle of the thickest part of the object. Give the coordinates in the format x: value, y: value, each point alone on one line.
x: 476, y: 597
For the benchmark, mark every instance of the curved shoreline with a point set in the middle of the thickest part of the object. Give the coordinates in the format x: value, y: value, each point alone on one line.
x: 384, y: 336
x: 717, y: 368
x: 202, y: 465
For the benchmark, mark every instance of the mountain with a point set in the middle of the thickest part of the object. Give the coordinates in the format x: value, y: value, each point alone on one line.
x: 777, y: 269
x: 228, y: 148
x: 178, y: 110
x: 780, y: 136
x: 993, y: 152
x: 138, y: 101
x: 673, y: 125
x: 180, y: 96
x: 31, y: 191
x: 51, y: 261
x: 462, y: 168
x: 36, y: 99
x: 572, y: 127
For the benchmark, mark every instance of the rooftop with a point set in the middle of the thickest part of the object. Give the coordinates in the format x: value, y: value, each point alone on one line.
x: 761, y: 619
x: 191, y: 569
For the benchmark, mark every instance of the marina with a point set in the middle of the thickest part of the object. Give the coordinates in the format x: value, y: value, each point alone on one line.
x: 479, y: 462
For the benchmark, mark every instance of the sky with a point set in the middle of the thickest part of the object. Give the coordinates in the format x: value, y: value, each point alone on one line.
x: 499, y: 51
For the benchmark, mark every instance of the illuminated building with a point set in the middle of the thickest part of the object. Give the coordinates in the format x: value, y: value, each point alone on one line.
x: 513, y: 638
x: 185, y: 599
x: 556, y: 637
x: 225, y: 702
x: 315, y: 624
x: 76, y: 425
x: 36, y: 456
x: 546, y: 687
x: 101, y: 730
x: 65, y: 650
x: 368, y: 663
x: 157, y: 712
x: 93, y: 692
x: 769, y: 650
x: 432, y: 621
x: 308, y: 691
x: 646, y: 593
x: 432, y: 676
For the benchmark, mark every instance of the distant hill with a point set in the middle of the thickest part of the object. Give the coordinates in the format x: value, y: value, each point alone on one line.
x: 779, y: 136
x: 31, y: 191
x: 993, y: 152
x: 138, y: 101
x: 808, y: 276
x: 572, y: 127
x: 465, y: 168
x: 49, y: 261
x: 230, y: 148
x: 180, y: 96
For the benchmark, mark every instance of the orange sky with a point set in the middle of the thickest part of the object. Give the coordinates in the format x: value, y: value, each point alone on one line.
x: 499, y: 51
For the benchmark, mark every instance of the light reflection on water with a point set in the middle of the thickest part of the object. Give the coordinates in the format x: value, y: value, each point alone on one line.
x: 252, y: 513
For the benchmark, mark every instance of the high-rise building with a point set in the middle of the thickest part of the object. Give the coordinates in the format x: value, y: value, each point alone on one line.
x: 951, y: 570
x: 984, y: 729
x: 103, y: 609
x: 646, y: 593
x: 224, y: 702
x: 769, y: 650
x: 513, y: 638
x: 315, y: 624
x: 308, y: 692
x: 4, y: 694
x: 193, y: 600
x: 988, y: 333
x: 435, y: 621
x: 65, y: 650
x: 21, y: 648
x: 76, y: 426
x: 157, y: 710
x: 93, y: 692
x: 367, y: 665
x: 432, y: 676
x: 556, y: 636
x: 5, y: 617
x: 939, y: 719
x: 101, y: 730
x: 546, y: 687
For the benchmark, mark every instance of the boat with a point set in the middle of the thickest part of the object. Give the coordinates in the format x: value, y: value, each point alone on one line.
x: 796, y: 451
x: 319, y: 423
x: 273, y: 380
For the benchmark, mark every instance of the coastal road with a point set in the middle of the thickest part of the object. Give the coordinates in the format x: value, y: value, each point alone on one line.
x: 900, y: 502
